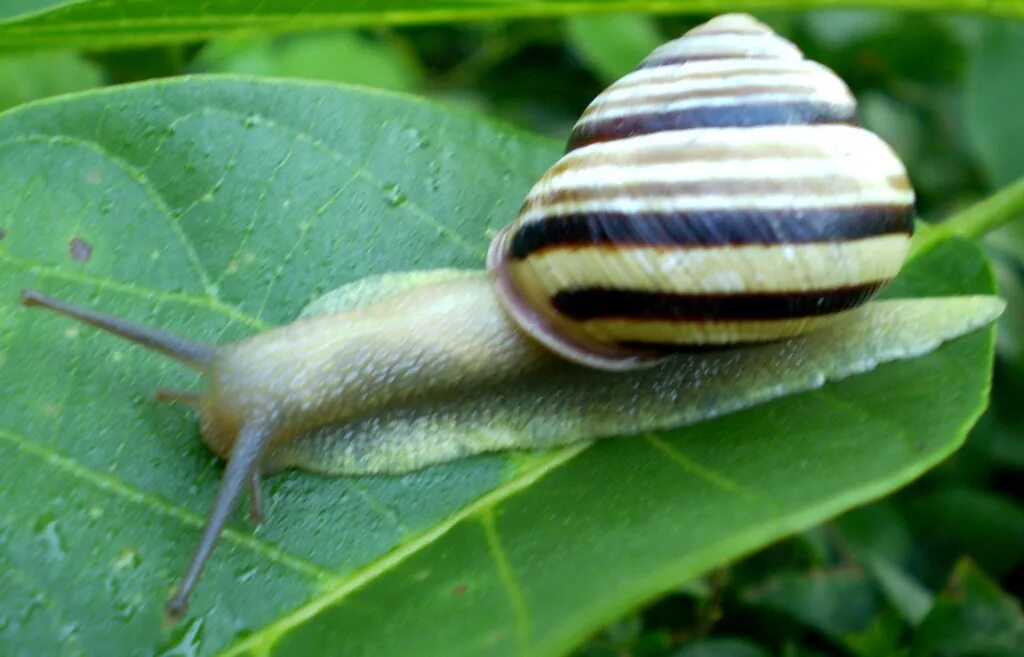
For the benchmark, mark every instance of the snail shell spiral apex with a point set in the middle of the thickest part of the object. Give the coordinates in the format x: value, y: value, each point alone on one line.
x: 722, y: 193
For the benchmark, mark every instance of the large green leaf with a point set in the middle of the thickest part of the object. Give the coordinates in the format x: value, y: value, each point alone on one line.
x: 216, y: 207
x: 104, y: 24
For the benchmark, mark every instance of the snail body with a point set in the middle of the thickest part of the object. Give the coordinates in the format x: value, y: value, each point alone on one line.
x: 329, y: 369
x: 718, y: 196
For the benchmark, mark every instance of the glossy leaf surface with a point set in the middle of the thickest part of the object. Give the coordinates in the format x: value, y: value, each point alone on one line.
x: 217, y: 207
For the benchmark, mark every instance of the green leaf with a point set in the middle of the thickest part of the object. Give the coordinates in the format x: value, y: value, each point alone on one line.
x: 721, y: 648
x: 103, y: 24
x: 216, y: 207
x: 957, y: 521
x: 612, y: 45
x: 841, y: 604
x: 993, y: 99
x: 337, y: 56
x: 971, y: 617
x: 878, y: 537
x: 30, y: 77
x: 908, y: 596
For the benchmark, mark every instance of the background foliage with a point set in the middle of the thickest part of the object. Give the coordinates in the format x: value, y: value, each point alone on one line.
x: 937, y: 569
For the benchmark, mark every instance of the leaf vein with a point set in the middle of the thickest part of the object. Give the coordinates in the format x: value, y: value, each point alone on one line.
x: 114, y: 486
x: 380, y: 508
x: 144, y: 183
x: 366, y: 174
x: 208, y: 303
x: 865, y: 416
x: 507, y: 579
x: 716, y: 479
x: 256, y: 211
x: 304, y: 229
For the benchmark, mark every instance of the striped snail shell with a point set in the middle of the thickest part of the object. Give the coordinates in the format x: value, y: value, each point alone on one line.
x: 720, y: 194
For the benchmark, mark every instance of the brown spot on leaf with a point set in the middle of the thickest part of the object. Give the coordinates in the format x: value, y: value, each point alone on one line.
x: 459, y: 590
x: 80, y: 250
x: 94, y: 177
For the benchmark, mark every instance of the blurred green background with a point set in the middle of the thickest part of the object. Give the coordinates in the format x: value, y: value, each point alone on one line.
x: 937, y: 569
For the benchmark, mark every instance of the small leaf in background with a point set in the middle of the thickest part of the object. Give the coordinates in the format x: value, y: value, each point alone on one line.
x: 997, y: 441
x: 837, y: 603
x: 995, y: 96
x: 877, y: 529
x: 721, y: 647
x: 840, y: 28
x: 611, y: 45
x: 974, y: 617
x: 953, y: 521
x: 30, y: 77
x: 902, y: 591
x: 122, y: 66
x: 878, y: 538
x: 339, y: 56
x: 793, y: 649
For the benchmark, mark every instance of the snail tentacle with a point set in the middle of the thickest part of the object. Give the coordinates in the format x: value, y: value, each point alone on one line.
x: 239, y: 473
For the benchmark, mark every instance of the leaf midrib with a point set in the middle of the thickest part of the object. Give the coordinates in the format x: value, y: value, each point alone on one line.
x: 107, y: 483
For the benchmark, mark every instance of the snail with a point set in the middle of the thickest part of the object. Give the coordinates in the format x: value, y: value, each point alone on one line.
x: 706, y: 243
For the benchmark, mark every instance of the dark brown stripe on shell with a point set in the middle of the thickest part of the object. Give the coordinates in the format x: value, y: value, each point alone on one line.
x: 743, y: 115
x: 602, y: 303
x: 683, y: 59
x: 710, y: 228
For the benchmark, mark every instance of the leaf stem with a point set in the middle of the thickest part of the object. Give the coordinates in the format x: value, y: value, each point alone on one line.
x: 977, y: 220
x: 990, y: 213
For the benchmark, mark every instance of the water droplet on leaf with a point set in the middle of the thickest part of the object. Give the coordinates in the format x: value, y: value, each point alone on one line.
x: 395, y: 198
x: 46, y: 529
